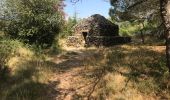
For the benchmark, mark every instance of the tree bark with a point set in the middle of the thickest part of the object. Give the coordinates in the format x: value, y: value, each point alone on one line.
x: 142, y: 34
x: 165, y: 14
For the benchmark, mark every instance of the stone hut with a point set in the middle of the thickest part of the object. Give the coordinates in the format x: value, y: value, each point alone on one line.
x: 97, y: 30
x: 97, y: 25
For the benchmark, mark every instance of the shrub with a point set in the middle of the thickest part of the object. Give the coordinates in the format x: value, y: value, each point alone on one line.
x: 34, y: 21
x: 68, y: 28
x: 8, y: 49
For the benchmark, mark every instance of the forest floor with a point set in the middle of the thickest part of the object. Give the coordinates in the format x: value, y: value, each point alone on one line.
x: 126, y: 72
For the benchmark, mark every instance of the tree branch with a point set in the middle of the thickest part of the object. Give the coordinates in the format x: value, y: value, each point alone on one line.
x: 136, y: 4
x: 74, y: 1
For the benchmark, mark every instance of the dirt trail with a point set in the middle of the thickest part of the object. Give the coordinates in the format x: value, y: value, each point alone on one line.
x: 71, y: 82
x: 90, y: 74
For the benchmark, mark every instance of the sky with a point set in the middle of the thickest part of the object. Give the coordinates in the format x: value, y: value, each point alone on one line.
x: 86, y: 8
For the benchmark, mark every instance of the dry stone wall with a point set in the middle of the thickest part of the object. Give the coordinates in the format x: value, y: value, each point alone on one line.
x: 107, y: 40
x: 100, y: 31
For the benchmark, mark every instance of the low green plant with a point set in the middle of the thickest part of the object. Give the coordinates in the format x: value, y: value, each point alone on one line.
x: 68, y: 28
x: 8, y: 49
x: 128, y: 29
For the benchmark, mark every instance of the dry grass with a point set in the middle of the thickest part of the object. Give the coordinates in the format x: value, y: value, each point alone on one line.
x: 127, y: 72
x: 27, y: 79
x: 133, y: 73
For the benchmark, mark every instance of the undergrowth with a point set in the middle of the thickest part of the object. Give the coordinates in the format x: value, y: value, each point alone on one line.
x: 131, y: 72
x: 24, y: 72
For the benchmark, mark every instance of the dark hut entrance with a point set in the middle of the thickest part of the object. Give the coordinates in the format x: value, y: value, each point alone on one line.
x: 84, y: 36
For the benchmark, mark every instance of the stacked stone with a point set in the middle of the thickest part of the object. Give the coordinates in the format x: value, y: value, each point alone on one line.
x: 107, y: 40
x: 100, y: 31
x: 74, y: 41
x: 100, y: 26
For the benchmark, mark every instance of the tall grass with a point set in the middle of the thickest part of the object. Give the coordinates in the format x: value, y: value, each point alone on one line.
x: 131, y: 72
x: 28, y: 75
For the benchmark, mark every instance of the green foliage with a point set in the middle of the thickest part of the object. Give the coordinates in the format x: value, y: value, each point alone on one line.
x: 23, y: 71
x: 34, y: 21
x: 134, y: 28
x: 140, y: 11
x: 128, y: 29
x: 68, y: 29
x: 2, y: 24
x: 134, y: 9
x: 8, y: 49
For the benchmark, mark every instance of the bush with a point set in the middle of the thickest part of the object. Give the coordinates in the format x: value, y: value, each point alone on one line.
x: 34, y: 21
x: 2, y: 24
x: 8, y: 49
x: 68, y: 28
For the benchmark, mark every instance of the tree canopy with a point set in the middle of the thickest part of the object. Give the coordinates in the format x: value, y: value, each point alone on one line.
x: 34, y: 21
x: 134, y: 9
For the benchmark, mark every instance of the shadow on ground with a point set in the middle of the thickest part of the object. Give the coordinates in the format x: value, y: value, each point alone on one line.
x: 25, y: 83
x: 120, y: 72
x: 84, y: 74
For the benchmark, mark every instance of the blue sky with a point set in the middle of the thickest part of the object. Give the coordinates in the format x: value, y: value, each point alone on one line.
x: 87, y: 8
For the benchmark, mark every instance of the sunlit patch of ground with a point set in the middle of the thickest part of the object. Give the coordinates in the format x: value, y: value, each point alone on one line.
x: 121, y: 72
x: 127, y: 72
x: 27, y: 78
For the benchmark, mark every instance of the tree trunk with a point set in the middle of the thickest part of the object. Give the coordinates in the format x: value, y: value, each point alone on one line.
x: 165, y: 14
x: 142, y: 34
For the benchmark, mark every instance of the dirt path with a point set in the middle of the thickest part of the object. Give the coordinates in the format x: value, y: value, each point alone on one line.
x: 72, y: 81
x: 90, y: 74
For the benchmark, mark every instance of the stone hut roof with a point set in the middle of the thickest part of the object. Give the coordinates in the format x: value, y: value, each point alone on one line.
x: 97, y: 25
